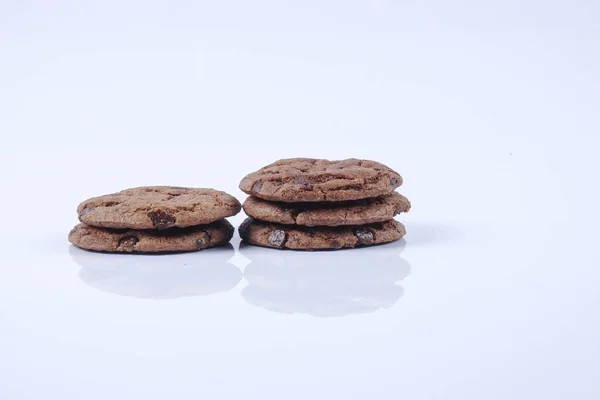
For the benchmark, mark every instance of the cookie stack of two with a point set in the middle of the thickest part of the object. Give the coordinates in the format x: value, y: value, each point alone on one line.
x: 155, y: 219
x: 312, y: 204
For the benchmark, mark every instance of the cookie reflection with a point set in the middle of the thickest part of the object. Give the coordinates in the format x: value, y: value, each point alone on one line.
x: 166, y: 276
x: 325, y: 284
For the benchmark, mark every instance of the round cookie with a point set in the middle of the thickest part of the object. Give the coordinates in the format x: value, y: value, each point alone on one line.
x: 358, y: 212
x: 308, y: 179
x: 158, y: 207
x: 296, y: 237
x: 151, y: 241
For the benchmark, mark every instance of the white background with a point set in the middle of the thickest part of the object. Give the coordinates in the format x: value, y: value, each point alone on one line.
x: 489, y: 110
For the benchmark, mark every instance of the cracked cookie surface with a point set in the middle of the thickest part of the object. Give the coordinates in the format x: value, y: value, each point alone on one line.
x: 356, y: 212
x: 318, y: 180
x: 296, y: 237
x: 151, y: 241
x: 158, y: 207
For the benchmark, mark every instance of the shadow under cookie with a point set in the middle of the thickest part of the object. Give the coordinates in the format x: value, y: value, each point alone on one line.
x: 167, y: 276
x: 324, y: 284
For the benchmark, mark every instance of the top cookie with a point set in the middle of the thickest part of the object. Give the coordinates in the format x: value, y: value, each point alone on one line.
x: 308, y: 179
x: 158, y: 207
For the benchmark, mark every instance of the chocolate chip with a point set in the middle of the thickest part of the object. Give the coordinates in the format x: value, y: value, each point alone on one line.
x: 301, y: 180
x: 203, y: 241
x: 85, y: 211
x: 178, y: 187
x: 277, y: 238
x: 128, y: 241
x: 394, y: 182
x: 161, y: 219
x: 304, y: 181
x: 256, y: 187
x: 335, y: 244
x: 364, y: 236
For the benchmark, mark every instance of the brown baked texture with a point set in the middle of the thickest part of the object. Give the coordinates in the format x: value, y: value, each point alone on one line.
x: 357, y: 212
x: 318, y: 180
x: 296, y: 237
x: 158, y: 207
x: 151, y: 241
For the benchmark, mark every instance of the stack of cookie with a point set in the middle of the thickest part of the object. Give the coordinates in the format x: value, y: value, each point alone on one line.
x: 311, y: 204
x: 155, y: 219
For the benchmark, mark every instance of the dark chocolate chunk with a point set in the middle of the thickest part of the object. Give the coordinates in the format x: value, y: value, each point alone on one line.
x: 128, y: 241
x: 364, y: 236
x: 277, y: 238
x: 161, y: 220
x: 203, y: 241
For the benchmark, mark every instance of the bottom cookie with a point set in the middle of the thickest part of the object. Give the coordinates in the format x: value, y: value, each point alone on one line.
x: 296, y: 237
x: 151, y: 241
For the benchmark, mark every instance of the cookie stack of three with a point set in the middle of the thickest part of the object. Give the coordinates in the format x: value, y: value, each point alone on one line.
x: 312, y: 204
x: 155, y: 219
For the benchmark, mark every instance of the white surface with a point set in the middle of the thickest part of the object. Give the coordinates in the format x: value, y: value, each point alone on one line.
x: 488, y: 111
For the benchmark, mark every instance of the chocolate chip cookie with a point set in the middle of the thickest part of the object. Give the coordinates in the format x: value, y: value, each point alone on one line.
x: 158, y: 207
x: 356, y: 212
x: 317, y: 180
x: 151, y: 241
x: 296, y: 237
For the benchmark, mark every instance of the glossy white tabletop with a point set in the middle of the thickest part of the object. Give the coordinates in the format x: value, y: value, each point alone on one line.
x: 490, y: 116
